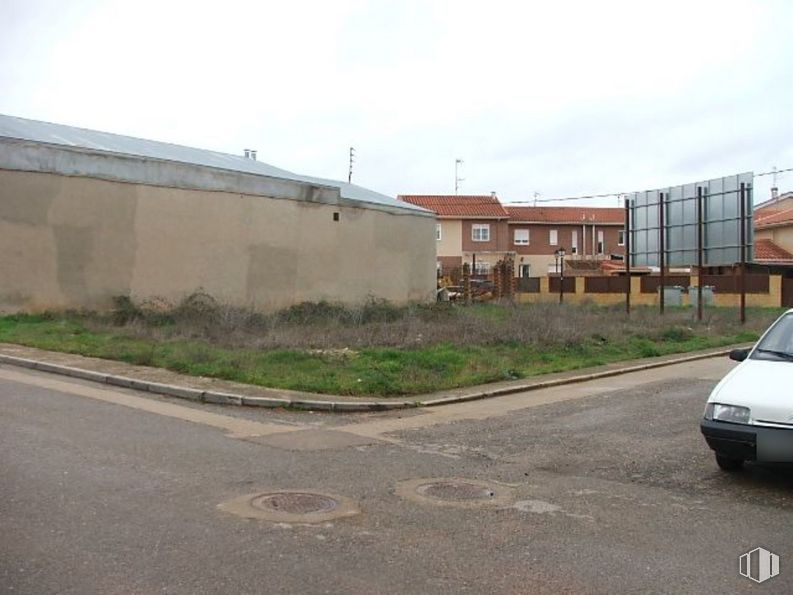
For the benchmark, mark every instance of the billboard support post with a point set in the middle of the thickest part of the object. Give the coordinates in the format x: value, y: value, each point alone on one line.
x: 700, y: 250
x: 628, y: 255
x: 743, y: 252
x: 661, y: 248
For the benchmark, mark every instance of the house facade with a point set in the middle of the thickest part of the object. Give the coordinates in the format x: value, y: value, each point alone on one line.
x: 469, y: 229
x: 586, y: 234
x: 773, y: 222
x: 480, y: 231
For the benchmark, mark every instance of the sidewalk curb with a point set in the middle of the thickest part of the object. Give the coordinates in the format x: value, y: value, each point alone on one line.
x: 206, y: 396
x: 540, y: 384
x: 224, y: 398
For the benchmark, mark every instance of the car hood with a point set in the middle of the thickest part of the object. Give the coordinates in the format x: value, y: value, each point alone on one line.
x: 762, y: 386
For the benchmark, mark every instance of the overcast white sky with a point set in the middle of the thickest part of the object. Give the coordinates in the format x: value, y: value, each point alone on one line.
x: 560, y: 98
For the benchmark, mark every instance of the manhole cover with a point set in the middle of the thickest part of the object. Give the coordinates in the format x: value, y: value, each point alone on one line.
x: 455, y: 490
x: 286, y: 506
x: 465, y: 493
x: 294, y: 502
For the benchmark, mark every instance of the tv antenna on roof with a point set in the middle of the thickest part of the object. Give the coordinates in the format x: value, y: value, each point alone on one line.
x: 352, y: 160
x: 457, y: 178
x: 774, y: 187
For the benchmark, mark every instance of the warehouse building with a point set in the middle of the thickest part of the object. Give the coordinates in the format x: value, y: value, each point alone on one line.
x: 87, y: 215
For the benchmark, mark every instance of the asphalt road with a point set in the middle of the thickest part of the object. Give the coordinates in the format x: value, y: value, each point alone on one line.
x: 603, y: 487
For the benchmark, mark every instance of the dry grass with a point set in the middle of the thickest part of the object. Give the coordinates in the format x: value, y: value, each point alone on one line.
x: 325, y: 326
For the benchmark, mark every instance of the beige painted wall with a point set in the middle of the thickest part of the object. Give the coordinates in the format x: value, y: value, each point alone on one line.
x: 539, y: 263
x: 76, y: 242
x: 451, y: 242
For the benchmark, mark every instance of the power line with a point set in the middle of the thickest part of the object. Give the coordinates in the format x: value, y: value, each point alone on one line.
x: 618, y: 194
x: 774, y: 171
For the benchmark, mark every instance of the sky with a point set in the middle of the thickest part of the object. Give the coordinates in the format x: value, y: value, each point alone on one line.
x: 539, y: 99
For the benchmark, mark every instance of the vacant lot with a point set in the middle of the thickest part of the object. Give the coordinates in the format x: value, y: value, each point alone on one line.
x: 376, y: 349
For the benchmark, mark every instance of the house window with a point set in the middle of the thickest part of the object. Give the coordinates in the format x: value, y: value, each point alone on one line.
x: 600, y: 242
x: 522, y: 236
x: 621, y: 237
x: 480, y: 232
x: 574, y: 242
x: 481, y: 268
x: 553, y: 238
x: 438, y: 231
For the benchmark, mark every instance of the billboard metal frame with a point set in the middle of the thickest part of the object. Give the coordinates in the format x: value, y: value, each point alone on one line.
x: 723, y: 240
x: 700, y: 224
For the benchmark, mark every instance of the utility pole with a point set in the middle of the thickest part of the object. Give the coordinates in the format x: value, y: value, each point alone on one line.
x: 457, y: 178
x: 352, y: 159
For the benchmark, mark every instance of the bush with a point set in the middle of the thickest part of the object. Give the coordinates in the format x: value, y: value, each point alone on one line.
x: 124, y: 310
x: 377, y: 323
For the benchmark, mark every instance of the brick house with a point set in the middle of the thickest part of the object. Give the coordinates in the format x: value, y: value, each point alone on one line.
x: 469, y: 228
x: 773, y: 224
x: 588, y: 235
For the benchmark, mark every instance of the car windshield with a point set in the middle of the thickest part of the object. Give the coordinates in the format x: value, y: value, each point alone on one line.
x: 778, y: 342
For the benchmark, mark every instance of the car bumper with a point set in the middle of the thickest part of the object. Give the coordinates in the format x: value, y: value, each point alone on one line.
x: 749, y: 443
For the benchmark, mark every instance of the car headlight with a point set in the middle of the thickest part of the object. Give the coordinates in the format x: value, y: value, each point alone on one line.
x: 731, y: 413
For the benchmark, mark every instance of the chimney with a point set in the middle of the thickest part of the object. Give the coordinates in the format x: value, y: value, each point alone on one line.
x: 253, y: 154
x: 774, y: 193
x: 492, y: 194
x: 247, y: 153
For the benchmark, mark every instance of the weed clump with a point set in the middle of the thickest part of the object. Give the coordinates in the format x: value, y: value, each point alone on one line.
x: 329, y: 326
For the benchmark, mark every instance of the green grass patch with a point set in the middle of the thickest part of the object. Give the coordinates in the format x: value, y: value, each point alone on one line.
x: 370, y: 370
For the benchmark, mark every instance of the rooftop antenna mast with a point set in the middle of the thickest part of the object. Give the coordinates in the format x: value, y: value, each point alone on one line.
x: 457, y: 178
x: 774, y: 188
x: 352, y: 160
x: 536, y: 196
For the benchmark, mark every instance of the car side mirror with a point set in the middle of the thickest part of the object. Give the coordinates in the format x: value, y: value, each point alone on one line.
x: 739, y: 354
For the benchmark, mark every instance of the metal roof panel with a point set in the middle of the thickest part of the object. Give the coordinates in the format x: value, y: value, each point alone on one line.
x: 70, y: 136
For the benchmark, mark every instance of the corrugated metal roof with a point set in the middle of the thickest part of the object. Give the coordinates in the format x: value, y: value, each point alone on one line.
x: 69, y: 136
x: 459, y: 206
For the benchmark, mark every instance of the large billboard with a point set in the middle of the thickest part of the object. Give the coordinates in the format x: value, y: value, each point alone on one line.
x: 721, y: 219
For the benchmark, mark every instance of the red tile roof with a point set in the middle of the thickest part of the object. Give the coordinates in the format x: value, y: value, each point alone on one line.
x: 459, y: 206
x: 577, y: 215
x: 767, y: 218
x: 767, y: 250
x: 771, y: 202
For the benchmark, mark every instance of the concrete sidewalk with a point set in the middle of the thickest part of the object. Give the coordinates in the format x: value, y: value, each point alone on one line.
x: 211, y: 390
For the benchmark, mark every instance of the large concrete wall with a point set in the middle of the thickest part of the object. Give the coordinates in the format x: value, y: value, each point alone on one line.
x: 75, y: 242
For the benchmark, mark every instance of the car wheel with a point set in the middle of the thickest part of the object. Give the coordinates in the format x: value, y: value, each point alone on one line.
x: 728, y: 464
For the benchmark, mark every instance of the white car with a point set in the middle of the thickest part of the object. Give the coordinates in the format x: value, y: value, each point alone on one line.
x: 749, y: 415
